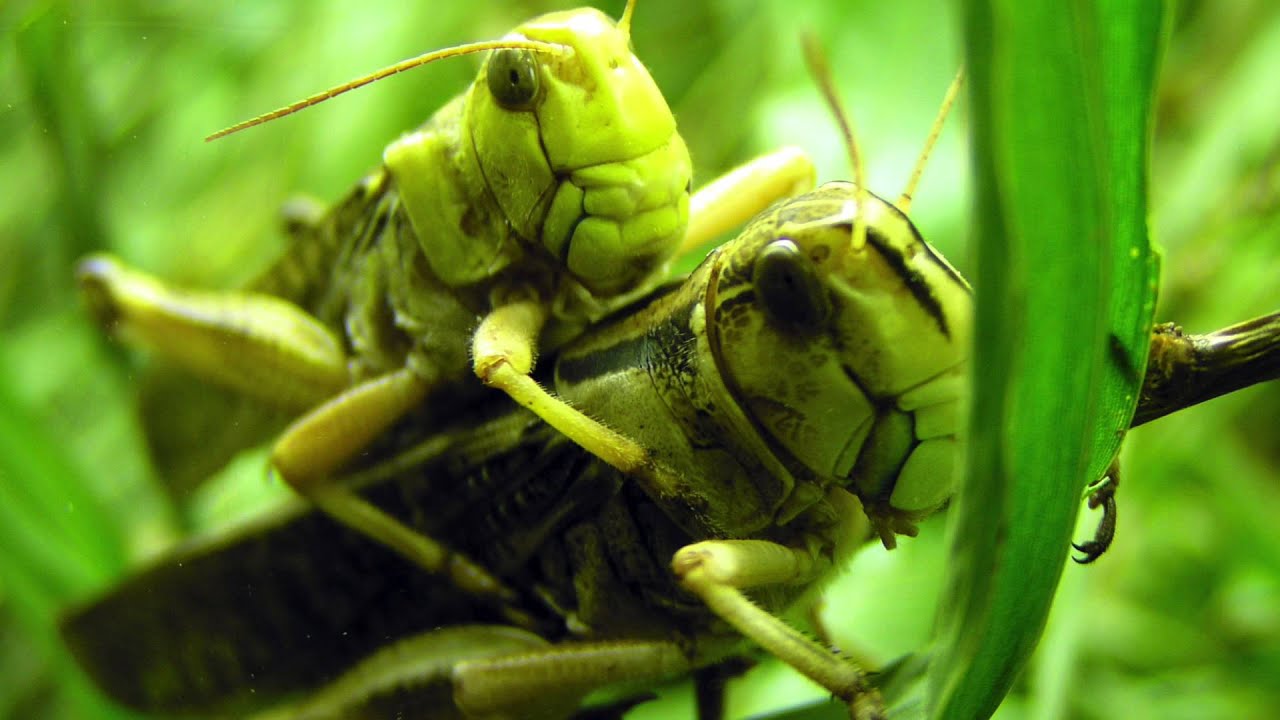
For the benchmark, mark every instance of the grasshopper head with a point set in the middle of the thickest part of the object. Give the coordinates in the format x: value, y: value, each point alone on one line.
x: 581, y: 150
x: 849, y: 359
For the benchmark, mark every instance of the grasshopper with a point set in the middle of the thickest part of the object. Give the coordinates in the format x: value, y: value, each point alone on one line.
x: 551, y: 192
x: 801, y: 391
x: 609, y: 580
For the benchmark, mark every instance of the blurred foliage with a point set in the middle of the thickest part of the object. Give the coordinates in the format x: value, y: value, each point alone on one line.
x: 100, y: 147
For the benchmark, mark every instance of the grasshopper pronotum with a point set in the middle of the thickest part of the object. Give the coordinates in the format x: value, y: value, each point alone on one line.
x: 555, y: 189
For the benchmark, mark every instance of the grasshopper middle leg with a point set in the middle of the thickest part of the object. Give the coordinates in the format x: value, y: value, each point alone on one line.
x: 318, y: 444
x: 718, y: 571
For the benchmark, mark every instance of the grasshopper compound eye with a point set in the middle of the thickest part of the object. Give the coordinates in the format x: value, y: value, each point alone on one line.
x: 513, y: 78
x: 789, y: 289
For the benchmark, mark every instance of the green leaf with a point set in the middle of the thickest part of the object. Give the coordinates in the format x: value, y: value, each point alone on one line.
x: 58, y: 543
x: 1065, y: 280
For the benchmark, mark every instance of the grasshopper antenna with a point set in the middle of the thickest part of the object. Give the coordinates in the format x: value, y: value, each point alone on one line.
x: 390, y: 70
x: 904, y: 200
x: 624, y: 25
x: 821, y: 71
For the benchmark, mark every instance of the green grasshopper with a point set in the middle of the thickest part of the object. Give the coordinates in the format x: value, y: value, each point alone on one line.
x: 800, y: 389
x: 554, y: 190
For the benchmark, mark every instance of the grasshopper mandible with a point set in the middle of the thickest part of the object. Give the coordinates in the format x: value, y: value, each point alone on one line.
x: 555, y: 189
x: 801, y: 388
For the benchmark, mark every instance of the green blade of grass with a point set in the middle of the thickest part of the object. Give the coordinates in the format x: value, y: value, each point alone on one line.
x: 1065, y: 279
x: 58, y: 545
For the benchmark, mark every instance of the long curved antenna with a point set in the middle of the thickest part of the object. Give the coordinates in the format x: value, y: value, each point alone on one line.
x: 817, y: 61
x: 904, y: 200
x: 624, y: 25
x: 390, y: 70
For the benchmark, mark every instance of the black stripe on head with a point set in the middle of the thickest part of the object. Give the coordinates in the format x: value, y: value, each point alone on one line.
x: 914, y: 280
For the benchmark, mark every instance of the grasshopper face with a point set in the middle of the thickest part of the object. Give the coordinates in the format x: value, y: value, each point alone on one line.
x: 850, y: 359
x: 581, y: 152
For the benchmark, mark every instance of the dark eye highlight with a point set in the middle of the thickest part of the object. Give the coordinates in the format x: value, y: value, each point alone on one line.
x: 513, y: 78
x: 789, y: 288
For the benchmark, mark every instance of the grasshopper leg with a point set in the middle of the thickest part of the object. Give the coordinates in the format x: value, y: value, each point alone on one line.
x: 718, y: 571
x: 316, y: 445
x: 493, y: 672
x: 1104, y: 496
x: 735, y: 197
x: 507, y: 687
x: 503, y: 349
x: 256, y: 344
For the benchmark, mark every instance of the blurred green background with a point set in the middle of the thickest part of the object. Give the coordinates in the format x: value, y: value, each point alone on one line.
x: 103, y: 109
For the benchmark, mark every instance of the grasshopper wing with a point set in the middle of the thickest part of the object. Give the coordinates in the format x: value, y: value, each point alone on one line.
x: 284, y: 605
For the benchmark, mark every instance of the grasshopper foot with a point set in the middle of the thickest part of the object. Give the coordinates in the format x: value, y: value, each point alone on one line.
x: 1103, y: 496
x: 867, y: 705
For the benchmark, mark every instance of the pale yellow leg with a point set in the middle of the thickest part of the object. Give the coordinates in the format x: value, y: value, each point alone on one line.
x: 717, y: 570
x: 252, y: 343
x: 495, y: 672
x: 509, y: 687
x: 732, y: 199
x: 319, y: 443
x: 503, y: 352
x: 326, y: 437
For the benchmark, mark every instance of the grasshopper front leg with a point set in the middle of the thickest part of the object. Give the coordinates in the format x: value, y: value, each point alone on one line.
x: 718, y: 570
x: 504, y: 347
x: 1102, y: 495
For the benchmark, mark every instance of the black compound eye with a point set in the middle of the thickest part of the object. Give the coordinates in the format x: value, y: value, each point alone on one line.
x: 513, y: 78
x: 789, y: 288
